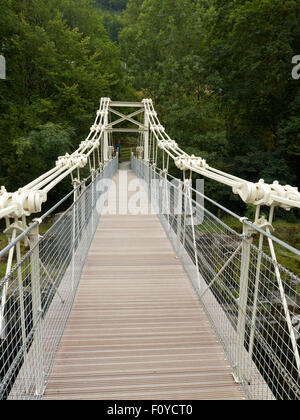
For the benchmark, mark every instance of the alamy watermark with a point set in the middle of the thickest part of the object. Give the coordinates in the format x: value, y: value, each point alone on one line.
x: 2, y: 67
x: 296, y: 68
x: 169, y: 198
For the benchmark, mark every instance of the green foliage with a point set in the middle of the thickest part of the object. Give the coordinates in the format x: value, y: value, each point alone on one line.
x: 218, y: 71
x: 112, y: 24
x: 41, y: 146
x: 60, y: 61
x: 220, y: 75
x: 110, y: 11
x: 112, y: 5
x: 247, y: 50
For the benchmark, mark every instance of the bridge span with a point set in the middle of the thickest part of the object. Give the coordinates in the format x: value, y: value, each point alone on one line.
x: 141, y: 288
x: 136, y: 329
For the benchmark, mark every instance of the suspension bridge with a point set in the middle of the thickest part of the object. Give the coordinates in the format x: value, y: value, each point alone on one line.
x: 138, y: 290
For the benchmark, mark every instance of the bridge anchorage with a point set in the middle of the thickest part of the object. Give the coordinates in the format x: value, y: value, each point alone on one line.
x: 251, y: 301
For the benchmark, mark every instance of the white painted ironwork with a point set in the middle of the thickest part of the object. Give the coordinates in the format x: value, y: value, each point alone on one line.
x: 258, y: 193
x: 41, y: 286
x: 29, y: 199
x: 252, y: 301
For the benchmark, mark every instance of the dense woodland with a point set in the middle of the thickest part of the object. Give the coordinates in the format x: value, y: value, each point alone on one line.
x: 219, y: 72
x: 220, y: 75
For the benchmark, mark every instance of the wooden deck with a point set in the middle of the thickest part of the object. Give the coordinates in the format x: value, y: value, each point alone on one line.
x: 137, y: 330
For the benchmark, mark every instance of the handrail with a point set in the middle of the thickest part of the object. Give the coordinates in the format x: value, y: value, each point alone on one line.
x: 251, y: 299
x: 259, y: 193
x: 28, y: 199
x: 36, y: 222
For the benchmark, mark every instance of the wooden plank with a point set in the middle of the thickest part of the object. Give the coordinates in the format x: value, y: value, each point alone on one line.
x: 136, y: 329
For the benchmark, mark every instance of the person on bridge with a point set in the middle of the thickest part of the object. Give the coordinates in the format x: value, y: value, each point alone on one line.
x: 118, y: 149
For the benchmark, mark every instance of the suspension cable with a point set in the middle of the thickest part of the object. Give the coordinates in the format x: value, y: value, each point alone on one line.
x: 259, y: 193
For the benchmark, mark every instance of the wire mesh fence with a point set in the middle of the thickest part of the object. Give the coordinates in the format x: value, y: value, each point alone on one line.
x: 253, y: 302
x: 38, y: 293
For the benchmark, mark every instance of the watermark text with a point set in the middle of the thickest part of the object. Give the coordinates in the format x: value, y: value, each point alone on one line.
x: 296, y: 68
x: 2, y: 67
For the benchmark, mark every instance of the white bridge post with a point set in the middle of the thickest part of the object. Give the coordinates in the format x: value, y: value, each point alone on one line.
x: 36, y: 311
x: 105, y: 140
x: 179, y: 213
x: 242, y: 303
x: 146, y: 138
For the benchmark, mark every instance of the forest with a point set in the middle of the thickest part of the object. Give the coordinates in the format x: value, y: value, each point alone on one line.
x: 218, y: 71
x: 224, y: 77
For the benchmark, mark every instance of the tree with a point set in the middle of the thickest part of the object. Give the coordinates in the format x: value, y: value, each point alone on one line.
x: 247, y: 54
x: 220, y: 74
x: 161, y: 46
x: 60, y: 61
x: 111, y: 5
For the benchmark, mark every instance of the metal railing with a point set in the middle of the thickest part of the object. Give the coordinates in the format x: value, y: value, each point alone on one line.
x: 253, y: 302
x: 38, y: 293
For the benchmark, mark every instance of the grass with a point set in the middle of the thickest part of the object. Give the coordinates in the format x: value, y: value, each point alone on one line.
x: 4, y: 242
x: 286, y: 231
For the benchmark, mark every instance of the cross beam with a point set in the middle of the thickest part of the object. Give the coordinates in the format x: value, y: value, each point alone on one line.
x: 125, y: 118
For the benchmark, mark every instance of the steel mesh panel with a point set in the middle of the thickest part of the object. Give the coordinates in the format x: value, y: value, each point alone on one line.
x: 40, y: 291
x: 260, y: 327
